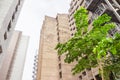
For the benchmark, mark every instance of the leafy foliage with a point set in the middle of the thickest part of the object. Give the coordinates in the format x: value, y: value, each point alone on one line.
x: 87, y: 47
x: 110, y: 47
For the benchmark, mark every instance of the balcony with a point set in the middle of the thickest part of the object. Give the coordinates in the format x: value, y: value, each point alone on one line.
x: 92, y: 18
x: 115, y: 4
x: 100, y: 9
x: 118, y: 1
x: 118, y: 11
x: 116, y: 29
x: 90, y: 4
x: 115, y: 7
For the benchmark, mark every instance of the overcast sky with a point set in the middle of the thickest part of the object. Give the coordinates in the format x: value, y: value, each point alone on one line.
x: 30, y: 22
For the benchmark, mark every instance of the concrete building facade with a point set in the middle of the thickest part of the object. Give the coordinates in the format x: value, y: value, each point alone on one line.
x: 19, y: 50
x: 47, y: 57
x: 95, y: 8
x: 50, y: 65
x: 63, y: 34
x: 16, y: 54
x: 9, y: 11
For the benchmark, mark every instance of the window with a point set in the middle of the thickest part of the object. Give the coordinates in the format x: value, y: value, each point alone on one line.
x: 16, y: 9
x: 72, y: 34
x: 98, y: 77
x: 80, y: 77
x: 86, y: 3
x: 74, y: 28
x: 5, y: 36
x: 72, y: 23
x: 89, y: 69
x: 0, y: 49
x: 77, y: 7
x: 60, y: 74
x: 84, y: 73
x: 19, y: 2
x: 69, y: 20
x: 60, y: 66
x: 75, y: 3
x: 57, y: 33
x: 13, y: 16
x: 59, y: 58
x: 9, y: 26
x: 35, y: 64
x: 58, y: 38
x: 100, y: 9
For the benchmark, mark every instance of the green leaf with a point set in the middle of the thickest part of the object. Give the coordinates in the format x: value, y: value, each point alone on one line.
x: 87, y: 47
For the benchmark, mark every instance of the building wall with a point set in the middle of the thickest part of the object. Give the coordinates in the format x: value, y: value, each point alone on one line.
x: 17, y: 65
x: 50, y: 65
x: 95, y: 8
x: 8, y: 15
x: 74, y: 6
x: 63, y: 36
x: 47, y: 57
x: 8, y: 57
x: 14, y: 60
x: 63, y: 31
x: 9, y: 11
x: 46, y: 68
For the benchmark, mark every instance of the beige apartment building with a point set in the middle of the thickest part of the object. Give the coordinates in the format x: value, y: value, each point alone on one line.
x: 9, y: 11
x: 60, y: 29
x: 63, y: 33
x: 50, y: 65
x: 47, y: 57
x: 96, y: 8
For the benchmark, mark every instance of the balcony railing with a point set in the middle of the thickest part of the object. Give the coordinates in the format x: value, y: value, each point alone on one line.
x: 101, y: 8
x: 116, y: 29
x: 118, y: 1
x: 115, y: 4
x: 115, y: 7
x: 90, y: 4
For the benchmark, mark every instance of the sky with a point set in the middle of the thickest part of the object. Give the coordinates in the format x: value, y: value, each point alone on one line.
x: 30, y: 23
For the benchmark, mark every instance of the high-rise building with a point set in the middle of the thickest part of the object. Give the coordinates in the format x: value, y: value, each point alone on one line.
x: 17, y: 50
x: 56, y: 30
x: 95, y: 8
x: 63, y: 34
x: 50, y: 65
x: 47, y: 56
x: 9, y: 11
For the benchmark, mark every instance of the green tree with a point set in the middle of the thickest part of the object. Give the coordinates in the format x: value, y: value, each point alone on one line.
x: 90, y: 47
